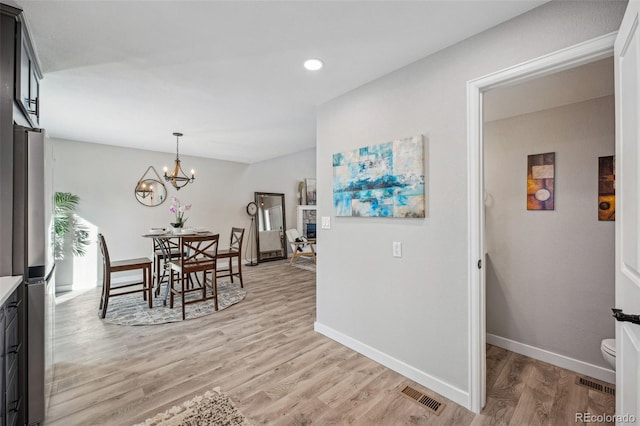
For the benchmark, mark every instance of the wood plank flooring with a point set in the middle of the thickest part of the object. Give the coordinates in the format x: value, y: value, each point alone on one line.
x: 264, y: 354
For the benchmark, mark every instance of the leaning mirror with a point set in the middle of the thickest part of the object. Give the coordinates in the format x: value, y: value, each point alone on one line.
x: 150, y: 191
x: 270, y: 226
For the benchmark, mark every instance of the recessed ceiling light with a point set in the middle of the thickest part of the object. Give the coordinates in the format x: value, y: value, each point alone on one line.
x: 313, y: 64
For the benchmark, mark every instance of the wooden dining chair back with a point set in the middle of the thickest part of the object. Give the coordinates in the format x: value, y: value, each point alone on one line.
x: 234, y: 252
x: 198, y: 255
x: 164, y: 250
x: 110, y: 290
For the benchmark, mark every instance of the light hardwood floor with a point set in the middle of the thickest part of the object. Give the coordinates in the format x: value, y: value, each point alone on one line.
x: 265, y: 355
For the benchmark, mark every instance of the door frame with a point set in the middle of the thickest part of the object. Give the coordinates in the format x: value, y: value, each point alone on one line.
x: 579, y: 54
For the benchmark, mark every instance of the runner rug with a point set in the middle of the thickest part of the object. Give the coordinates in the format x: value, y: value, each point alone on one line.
x: 212, y: 408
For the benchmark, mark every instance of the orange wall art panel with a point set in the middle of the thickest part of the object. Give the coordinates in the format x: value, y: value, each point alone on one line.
x: 607, y: 188
x: 541, y: 170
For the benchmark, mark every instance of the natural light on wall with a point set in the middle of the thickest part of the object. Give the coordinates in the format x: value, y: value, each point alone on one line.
x: 79, y: 272
x: 85, y: 270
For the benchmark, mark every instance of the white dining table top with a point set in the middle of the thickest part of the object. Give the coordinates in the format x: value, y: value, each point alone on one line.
x: 187, y: 232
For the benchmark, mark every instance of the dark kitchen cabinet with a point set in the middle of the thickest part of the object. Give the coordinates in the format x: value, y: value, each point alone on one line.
x: 10, y: 374
x: 3, y: 403
x: 27, y: 77
x: 20, y: 77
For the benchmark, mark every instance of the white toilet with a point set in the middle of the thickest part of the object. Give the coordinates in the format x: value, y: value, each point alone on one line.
x: 608, y: 348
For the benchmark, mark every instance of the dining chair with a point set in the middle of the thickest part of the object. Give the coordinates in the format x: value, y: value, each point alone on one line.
x: 197, y: 255
x: 301, y: 247
x: 108, y: 267
x: 233, y: 252
x: 169, y: 250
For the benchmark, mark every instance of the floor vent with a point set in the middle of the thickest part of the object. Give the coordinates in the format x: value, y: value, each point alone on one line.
x: 596, y: 385
x: 426, y: 401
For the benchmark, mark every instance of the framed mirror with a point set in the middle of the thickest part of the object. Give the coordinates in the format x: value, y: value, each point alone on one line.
x: 151, y: 192
x: 270, y: 226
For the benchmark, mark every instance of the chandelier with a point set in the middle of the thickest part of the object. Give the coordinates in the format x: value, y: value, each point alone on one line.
x: 178, y: 178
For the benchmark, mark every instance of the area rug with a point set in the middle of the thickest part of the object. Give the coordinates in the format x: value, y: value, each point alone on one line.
x: 212, y: 408
x: 133, y: 310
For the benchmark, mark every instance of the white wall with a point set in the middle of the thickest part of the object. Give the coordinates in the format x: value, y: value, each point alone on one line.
x: 411, y: 313
x: 104, y: 177
x: 550, y: 274
x: 282, y: 175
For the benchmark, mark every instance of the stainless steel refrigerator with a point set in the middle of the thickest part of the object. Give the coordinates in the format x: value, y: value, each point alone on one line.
x: 32, y: 259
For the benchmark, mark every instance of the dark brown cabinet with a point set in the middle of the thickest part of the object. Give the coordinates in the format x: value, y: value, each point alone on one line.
x: 19, y: 103
x: 27, y: 78
x: 3, y: 403
x: 11, y: 403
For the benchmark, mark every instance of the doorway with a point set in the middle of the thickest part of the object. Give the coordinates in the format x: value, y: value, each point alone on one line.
x: 549, y: 263
x: 590, y: 51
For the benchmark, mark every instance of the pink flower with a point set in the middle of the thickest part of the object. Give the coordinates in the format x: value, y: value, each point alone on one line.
x: 179, y: 210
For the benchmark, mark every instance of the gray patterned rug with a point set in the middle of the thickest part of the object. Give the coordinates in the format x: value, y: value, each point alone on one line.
x: 133, y: 310
x: 212, y: 408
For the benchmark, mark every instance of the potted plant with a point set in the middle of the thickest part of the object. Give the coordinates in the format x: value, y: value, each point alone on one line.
x: 67, y: 227
x: 178, y: 210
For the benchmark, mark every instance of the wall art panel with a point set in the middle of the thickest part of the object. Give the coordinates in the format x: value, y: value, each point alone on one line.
x: 607, y: 188
x: 541, y: 181
x: 385, y: 180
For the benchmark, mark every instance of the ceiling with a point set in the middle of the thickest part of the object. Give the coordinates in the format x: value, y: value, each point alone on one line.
x: 589, y: 81
x: 227, y: 74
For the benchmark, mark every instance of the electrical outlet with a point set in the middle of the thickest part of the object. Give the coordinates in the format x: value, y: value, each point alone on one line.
x: 326, y: 222
x: 397, y: 249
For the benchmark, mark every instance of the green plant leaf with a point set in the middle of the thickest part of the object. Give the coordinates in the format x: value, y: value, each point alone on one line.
x: 65, y: 202
x: 65, y: 221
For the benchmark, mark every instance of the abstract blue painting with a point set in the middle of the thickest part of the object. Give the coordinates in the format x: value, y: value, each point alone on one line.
x: 385, y: 180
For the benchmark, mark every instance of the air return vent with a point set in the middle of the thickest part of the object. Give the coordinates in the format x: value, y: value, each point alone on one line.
x: 596, y: 385
x: 426, y: 401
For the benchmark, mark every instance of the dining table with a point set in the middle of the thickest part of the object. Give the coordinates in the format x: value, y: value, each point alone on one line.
x: 164, y: 239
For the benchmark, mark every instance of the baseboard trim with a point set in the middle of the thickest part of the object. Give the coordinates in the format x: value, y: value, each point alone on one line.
x: 456, y: 395
x: 120, y: 279
x: 563, y: 361
x: 63, y: 288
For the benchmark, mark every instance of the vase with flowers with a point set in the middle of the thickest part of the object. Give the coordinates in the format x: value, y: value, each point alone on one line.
x: 178, y: 210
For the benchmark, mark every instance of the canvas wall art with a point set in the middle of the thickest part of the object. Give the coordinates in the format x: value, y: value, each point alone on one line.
x: 607, y: 188
x: 385, y: 180
x: 310, y: 185
x: 541, y: 181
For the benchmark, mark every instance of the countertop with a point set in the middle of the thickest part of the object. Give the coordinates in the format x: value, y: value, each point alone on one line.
x: 7, y: 286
